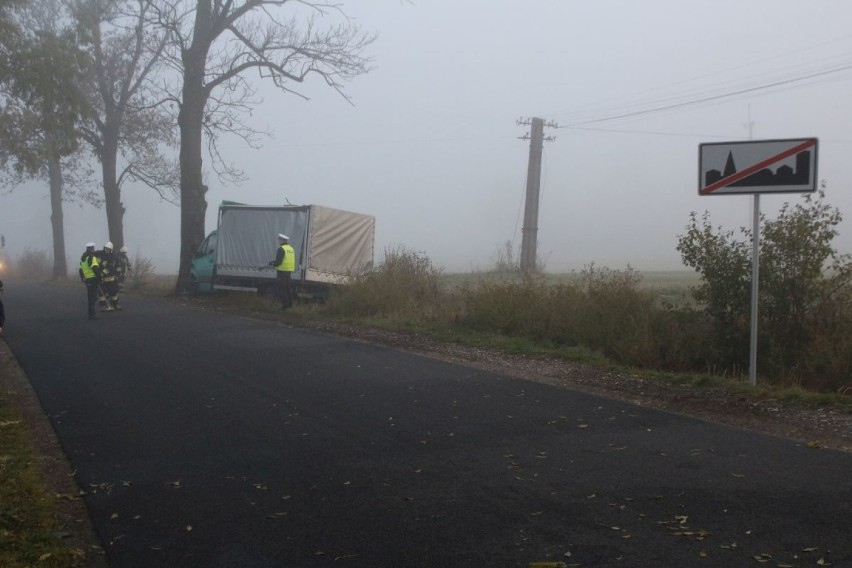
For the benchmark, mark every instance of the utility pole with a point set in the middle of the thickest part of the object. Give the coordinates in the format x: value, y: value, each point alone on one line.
x: 529, y: 231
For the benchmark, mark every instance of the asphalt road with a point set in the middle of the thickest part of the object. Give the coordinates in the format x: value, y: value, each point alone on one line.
x: 209, y: 440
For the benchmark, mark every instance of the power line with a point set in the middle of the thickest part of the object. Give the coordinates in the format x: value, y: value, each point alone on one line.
x: 652, y: 132
x: 762, y: 77
x: 715, y: 76
x: 709, y: 98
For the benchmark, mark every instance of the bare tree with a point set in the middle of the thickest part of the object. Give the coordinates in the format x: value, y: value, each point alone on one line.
x: 216, y: 43
x: 129, y: 117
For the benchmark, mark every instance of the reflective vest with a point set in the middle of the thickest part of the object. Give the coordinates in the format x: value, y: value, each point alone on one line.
x: 108, y: 266
x: 86, y: 264
x: 288, y: 263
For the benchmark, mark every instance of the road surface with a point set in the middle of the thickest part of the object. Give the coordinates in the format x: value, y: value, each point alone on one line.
x: 211, y: 440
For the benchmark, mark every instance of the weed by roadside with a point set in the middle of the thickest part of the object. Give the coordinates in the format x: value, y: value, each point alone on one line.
x: 30, y: 534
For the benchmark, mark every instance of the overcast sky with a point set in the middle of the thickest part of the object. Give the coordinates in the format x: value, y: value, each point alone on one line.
x: 431, y: 148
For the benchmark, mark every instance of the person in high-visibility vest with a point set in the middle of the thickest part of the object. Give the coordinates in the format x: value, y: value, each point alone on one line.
x: 285, y: 264
x: 90, y: 275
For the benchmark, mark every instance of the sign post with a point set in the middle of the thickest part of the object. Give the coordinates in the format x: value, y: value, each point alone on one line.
x: 755, y: 167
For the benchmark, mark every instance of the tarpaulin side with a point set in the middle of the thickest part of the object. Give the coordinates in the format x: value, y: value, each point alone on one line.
x: 248, y: 238
x: 340, y: 242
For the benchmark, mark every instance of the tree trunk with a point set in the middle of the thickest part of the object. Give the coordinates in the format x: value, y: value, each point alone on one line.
x: 57, y: 219
x: 193, y: 204
x: 112, y: 191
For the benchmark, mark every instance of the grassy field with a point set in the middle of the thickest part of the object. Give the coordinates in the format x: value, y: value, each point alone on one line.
x: 672, y: 286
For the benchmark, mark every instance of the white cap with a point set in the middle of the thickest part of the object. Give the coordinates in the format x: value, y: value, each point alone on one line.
x: 90, y: 245
x: 108, y: 245
x: 283, y: 237
x: 123, y: 249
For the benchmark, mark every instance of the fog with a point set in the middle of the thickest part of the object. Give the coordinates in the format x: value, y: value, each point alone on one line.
x: 430, y: 145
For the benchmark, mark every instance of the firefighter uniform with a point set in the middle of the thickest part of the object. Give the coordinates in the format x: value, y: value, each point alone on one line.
x: 122, y: 267
x: 109, y: 273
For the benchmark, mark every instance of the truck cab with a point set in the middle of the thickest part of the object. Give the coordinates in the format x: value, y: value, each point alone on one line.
x: 204, y: 266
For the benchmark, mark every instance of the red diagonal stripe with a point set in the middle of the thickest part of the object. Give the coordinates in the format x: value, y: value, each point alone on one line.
x: 724, y: 182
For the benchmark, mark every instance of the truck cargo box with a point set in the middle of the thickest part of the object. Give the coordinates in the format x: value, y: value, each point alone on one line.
x: 331, y: 245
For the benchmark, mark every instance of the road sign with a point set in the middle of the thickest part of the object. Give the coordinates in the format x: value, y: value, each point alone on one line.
x: 757, y: 166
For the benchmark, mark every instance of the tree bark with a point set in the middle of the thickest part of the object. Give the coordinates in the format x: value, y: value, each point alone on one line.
x: 193, y: 203
x: 57, y: 218
x: 112, y: 191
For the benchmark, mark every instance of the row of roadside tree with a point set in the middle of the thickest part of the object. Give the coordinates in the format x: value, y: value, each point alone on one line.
x: 143, y: 90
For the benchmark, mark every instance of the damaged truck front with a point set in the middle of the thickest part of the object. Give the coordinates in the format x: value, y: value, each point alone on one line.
x: 331, y: 246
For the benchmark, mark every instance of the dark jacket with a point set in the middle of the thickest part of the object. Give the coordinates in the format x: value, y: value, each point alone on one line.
x: 109, y: 265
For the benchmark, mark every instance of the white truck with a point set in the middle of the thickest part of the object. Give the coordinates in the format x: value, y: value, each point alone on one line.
x: 331, y: 246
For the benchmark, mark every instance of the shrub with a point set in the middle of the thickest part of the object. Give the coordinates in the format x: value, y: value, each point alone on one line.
x: 141, y: 274
x: 602, y: 309
x: 405, y: 284
x: 505, y: 261
x: 615, y: 314
x: 805, y: 303
x: 508, y: 307
x: 33, y: 264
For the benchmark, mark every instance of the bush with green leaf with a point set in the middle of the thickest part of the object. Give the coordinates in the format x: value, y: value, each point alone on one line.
x: 805, y: 302
x: 404, y: 284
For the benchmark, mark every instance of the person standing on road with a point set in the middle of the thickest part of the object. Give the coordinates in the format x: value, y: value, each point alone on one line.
x: 285, y: 264
x: 109, y: 262
x: 2, y: 310
x: 122, y: 267
x: 90, y: 275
